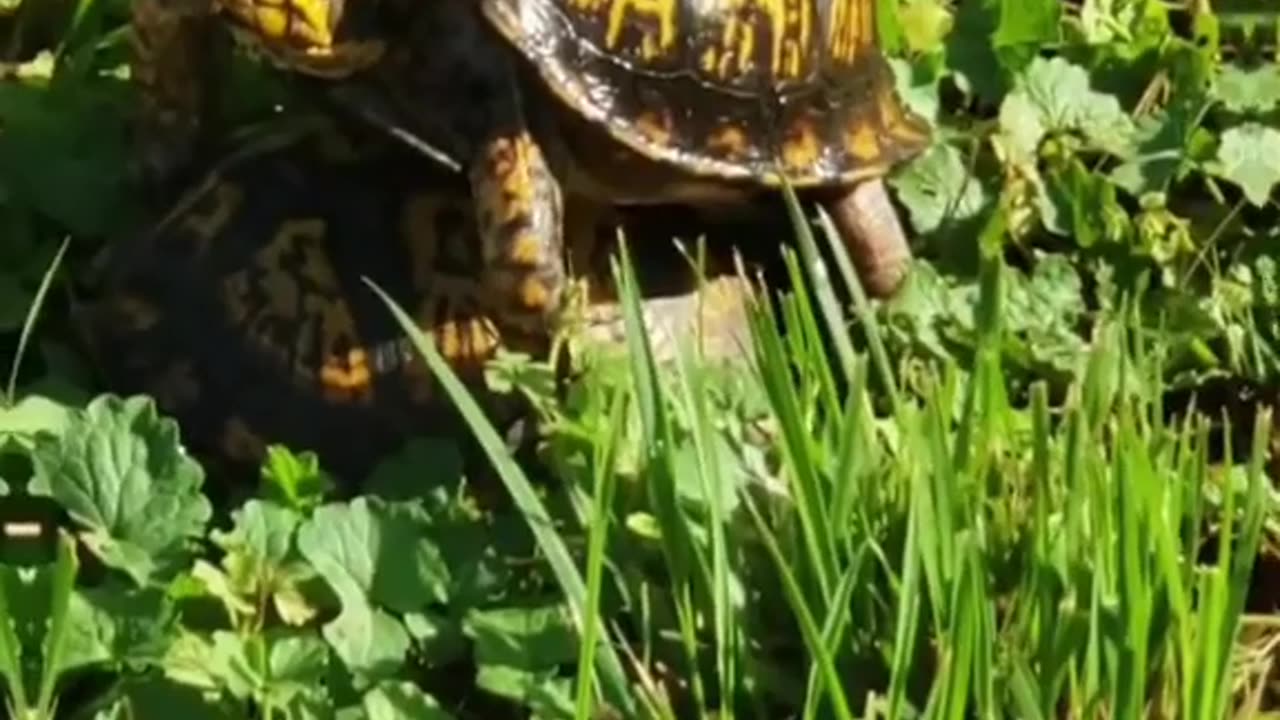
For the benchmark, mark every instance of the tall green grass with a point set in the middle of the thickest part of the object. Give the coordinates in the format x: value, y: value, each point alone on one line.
x: 958, y: 555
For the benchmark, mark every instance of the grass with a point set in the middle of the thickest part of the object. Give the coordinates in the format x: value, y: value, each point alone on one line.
x: 1017, y: 560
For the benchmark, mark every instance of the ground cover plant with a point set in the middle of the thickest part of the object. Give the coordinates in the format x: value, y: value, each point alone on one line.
x: 1035, y: 484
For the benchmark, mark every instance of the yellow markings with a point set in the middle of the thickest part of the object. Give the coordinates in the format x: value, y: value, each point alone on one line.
x: 655, y: 126
x: 861, y: 142
x: 219, y: 206
x: 290, y: 284
x: 728, y: 141
x: 623, y: 13
x: 511, y: 160
x: 589, y: 7
x: 792, y: 46
x: 790, y: 22
x: 737, y: 39
x: 801, y: 150
x: 850, y: 28
x: 744, y: 25
x: 301, y: 23
x: 534, y: 295
x: 525, y: 250
x: 903, y: 126
x: 347, y: 373
x: 708, y: 60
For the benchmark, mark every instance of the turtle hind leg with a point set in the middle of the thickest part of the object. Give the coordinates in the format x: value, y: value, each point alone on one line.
x: 174, y: 54
x: 520, y: 219
x: 868, y: 224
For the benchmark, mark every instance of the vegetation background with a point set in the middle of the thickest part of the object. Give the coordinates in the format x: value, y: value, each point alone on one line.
x: 991, y: 500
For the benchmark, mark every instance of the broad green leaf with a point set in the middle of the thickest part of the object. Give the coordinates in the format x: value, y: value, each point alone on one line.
x: 366, y: 547
x: 423, y: 467
x: 372, y: 558
x: 401, y: 701
x: 546, y: 694
x: 157, y: 696
x: 1126, y: 23
x: 262, y: 532
x: 371, y: 643
x: 32, y: 415
x: 525, y: 638
x: 298, y: 663
x: 1054, y: 96
x: 278, y: 667
x: 117, y: 625
x: 63, y: 153
x: 120, y: 471
x: 970, y: 51
x: 1027, y: 22
x: 925, y: 24
x: 1249, y: 156
x: 939, y: 187
x: 260, y: 561
x: 1254, y: 90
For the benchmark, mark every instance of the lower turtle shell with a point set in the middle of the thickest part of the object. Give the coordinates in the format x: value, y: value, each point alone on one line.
x: 245, y: 314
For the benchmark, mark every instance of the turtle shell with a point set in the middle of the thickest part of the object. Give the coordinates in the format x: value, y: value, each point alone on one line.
x: 321, y: 38
x: 244, y: 311
x: 245, y: 314
x: 735, y: 89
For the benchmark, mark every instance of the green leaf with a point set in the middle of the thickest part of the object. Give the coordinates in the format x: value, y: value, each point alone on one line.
x: 119, y: 470
x: 970, y: 53
x: 1027, y: 22
x: 401, y: 701
x: 262, y: 531
x: 297, y: 665
x: 32, y: 415
x: 1255, y: 90
x: 152, y: 696
x: 260, y: 561
x: 1054, y: 96
x: 925, y: 24
x: 62, y: 152
x: 371, y: 643
x: 296, y: 481
x: 367, y: 548
x: 116, y: 625
x: 370, y: 555
x: 938, y: 186
x: 420, y: 469
x: 1249, y: 156
x: 547, y: 695
x: 280, y: 668
x: 526, y: 638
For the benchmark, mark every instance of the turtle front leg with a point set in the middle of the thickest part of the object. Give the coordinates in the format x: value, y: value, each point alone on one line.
x: 173, y: 51
x: 868, y: 224
x: 520, y: 218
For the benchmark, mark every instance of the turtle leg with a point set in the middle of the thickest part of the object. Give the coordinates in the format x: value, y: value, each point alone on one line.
x: 520, y: 219
x: 173, y: 54
x: 869, y: 226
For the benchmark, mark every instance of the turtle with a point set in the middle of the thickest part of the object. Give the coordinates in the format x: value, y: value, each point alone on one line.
x: 243, y: 312
x: 546, y: 102
x: 177, y: 49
